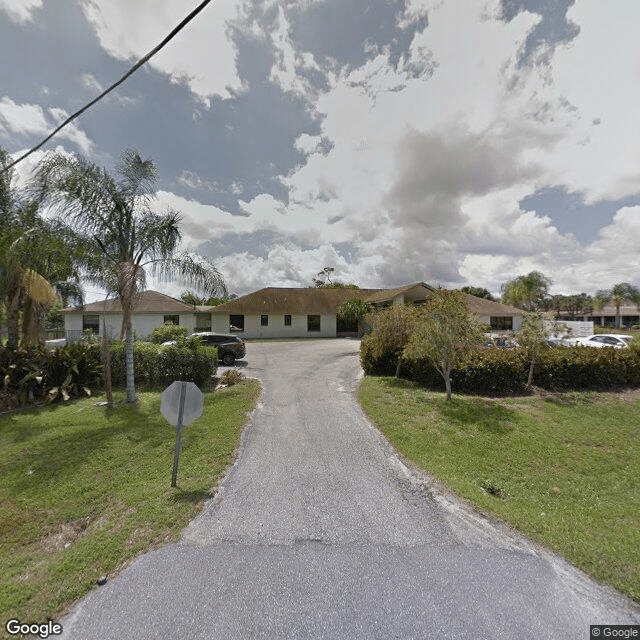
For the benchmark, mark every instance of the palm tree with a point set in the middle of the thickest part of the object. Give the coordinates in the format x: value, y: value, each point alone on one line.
x: 25, y: 245
x: 113, y: 212
x: 618, y: 294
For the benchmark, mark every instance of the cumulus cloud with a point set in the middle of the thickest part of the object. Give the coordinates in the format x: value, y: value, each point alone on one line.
x: 20, y: 10
x: 19, y: 120
x: 201, y: 56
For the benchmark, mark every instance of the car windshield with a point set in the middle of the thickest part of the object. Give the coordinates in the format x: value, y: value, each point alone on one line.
x: 624, y: 339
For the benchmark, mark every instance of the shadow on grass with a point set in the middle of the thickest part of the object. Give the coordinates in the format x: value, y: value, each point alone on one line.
x: 490, y: 417
x: 192, y: 497
x: 58, y: 440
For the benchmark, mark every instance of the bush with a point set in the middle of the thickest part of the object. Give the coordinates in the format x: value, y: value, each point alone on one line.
x: 504, y: 371
x: 168, y: 331
x: 231, y: 377
x: 36, y: 375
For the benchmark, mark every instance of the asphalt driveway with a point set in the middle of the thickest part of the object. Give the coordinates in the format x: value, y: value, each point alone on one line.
x: 319, y: 531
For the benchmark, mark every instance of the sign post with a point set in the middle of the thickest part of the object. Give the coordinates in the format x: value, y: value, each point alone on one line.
x: 180, y: 403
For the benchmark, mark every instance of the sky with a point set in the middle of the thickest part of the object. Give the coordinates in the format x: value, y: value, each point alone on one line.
x: 453, y: 142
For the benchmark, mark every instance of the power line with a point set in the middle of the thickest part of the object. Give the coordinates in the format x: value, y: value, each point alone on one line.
x: 133, y: 69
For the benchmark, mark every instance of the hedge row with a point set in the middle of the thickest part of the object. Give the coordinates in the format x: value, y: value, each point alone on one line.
x: 505, y: 371
x: 39, y: 375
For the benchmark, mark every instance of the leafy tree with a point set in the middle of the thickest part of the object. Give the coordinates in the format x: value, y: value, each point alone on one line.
x: 391, y: 329
x: 618, y: 294
x: 575, y: 305
x: 324, y: 281
x: 478, y: 292
x: 444, y: 332
x: 531, y: 337
x: 526, y: 292
x: 113, y: 212
x: 354, y: 310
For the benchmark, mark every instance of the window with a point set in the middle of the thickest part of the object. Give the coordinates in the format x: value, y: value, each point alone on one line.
x: 236, y: 323
x: 173, y: 319
x: 501, y: 323
x: 91, y: 322
x: 287, y: 320
x: 264, y: 320
x: 203, y: 322
x: 313, y: 323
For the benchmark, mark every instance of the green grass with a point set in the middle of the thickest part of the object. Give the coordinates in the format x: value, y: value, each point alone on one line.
x: 564, y: 470
x: 85, y: 489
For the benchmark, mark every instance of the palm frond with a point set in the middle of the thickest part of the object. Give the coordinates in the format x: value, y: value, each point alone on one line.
x: 138, y: 177
x: 192, y: 270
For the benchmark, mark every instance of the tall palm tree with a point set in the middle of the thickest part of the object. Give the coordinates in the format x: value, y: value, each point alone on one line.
x: 113, y: 212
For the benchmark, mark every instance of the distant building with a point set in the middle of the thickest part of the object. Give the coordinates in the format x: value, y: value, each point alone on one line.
x: 272, y: 312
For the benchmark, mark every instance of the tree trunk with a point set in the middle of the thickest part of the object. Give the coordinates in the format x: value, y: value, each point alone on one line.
x: 530, y: 378
x: 105, y: 356
x: 447, y: 384
x: 131, y: 388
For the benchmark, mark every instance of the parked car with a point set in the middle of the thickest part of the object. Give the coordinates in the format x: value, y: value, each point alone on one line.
x: 230, y: 348
x: 600, y: 340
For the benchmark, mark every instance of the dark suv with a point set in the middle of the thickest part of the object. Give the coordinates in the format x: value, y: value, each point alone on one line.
x: 230, y: 348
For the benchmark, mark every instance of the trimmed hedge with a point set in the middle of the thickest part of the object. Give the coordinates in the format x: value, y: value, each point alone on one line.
x: 504, y: 371
x: 155, y: 365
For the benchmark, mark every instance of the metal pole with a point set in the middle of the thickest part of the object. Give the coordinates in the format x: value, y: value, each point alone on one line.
x: 176, y: 457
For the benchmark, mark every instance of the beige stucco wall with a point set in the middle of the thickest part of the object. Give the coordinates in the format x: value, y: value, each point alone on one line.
x: 276, y: 327
x: 143, y: 324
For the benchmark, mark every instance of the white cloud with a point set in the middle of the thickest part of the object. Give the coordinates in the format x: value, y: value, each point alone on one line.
x: 201, y: 55
x: 32, y: 119
x: 20, y: 10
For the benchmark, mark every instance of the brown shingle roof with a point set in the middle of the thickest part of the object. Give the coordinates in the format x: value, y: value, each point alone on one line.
x: 484, y: 307
x: 146, y: 302
x: 292, y: 300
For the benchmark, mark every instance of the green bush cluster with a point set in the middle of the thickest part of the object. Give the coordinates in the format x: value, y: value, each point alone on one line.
x: 504, y: 371
x: 39, y: 375
x: 168, y: 331
x: 155, y: 365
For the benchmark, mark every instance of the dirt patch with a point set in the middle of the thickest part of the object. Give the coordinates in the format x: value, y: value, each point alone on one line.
x: 64, y: 535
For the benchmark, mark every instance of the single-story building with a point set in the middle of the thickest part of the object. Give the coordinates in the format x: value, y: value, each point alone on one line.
x: 272, y: 312
x: 152, y: 309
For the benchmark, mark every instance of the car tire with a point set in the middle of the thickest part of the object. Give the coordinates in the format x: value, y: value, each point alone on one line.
x: 228, y: 359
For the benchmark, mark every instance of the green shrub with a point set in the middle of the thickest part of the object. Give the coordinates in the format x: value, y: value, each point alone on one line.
x: 504, y: 371
x: 35, y: 374
x: 155, y: 365
x: 168, y: 331
x: 231, y: 377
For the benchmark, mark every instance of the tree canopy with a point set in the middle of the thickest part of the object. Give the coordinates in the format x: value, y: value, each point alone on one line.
x: 526, y: 292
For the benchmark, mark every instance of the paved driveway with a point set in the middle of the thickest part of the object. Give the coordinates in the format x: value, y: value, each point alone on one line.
x: 319, y: 531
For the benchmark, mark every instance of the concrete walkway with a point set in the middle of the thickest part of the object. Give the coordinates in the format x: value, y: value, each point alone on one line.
x: 319, y: 531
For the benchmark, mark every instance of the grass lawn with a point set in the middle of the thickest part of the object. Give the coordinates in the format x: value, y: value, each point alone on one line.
x: 85, y: 489
x: 564, y: 470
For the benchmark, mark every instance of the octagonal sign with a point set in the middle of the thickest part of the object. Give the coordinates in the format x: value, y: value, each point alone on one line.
x: 192, y: 401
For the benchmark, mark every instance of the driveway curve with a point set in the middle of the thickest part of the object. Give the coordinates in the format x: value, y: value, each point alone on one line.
x: 320, y: 531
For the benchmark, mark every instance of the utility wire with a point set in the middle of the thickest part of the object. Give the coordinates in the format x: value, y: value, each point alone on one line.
x: 133, y: 69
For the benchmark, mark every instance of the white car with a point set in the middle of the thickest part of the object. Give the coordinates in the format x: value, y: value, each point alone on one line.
x: 600, y: 340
